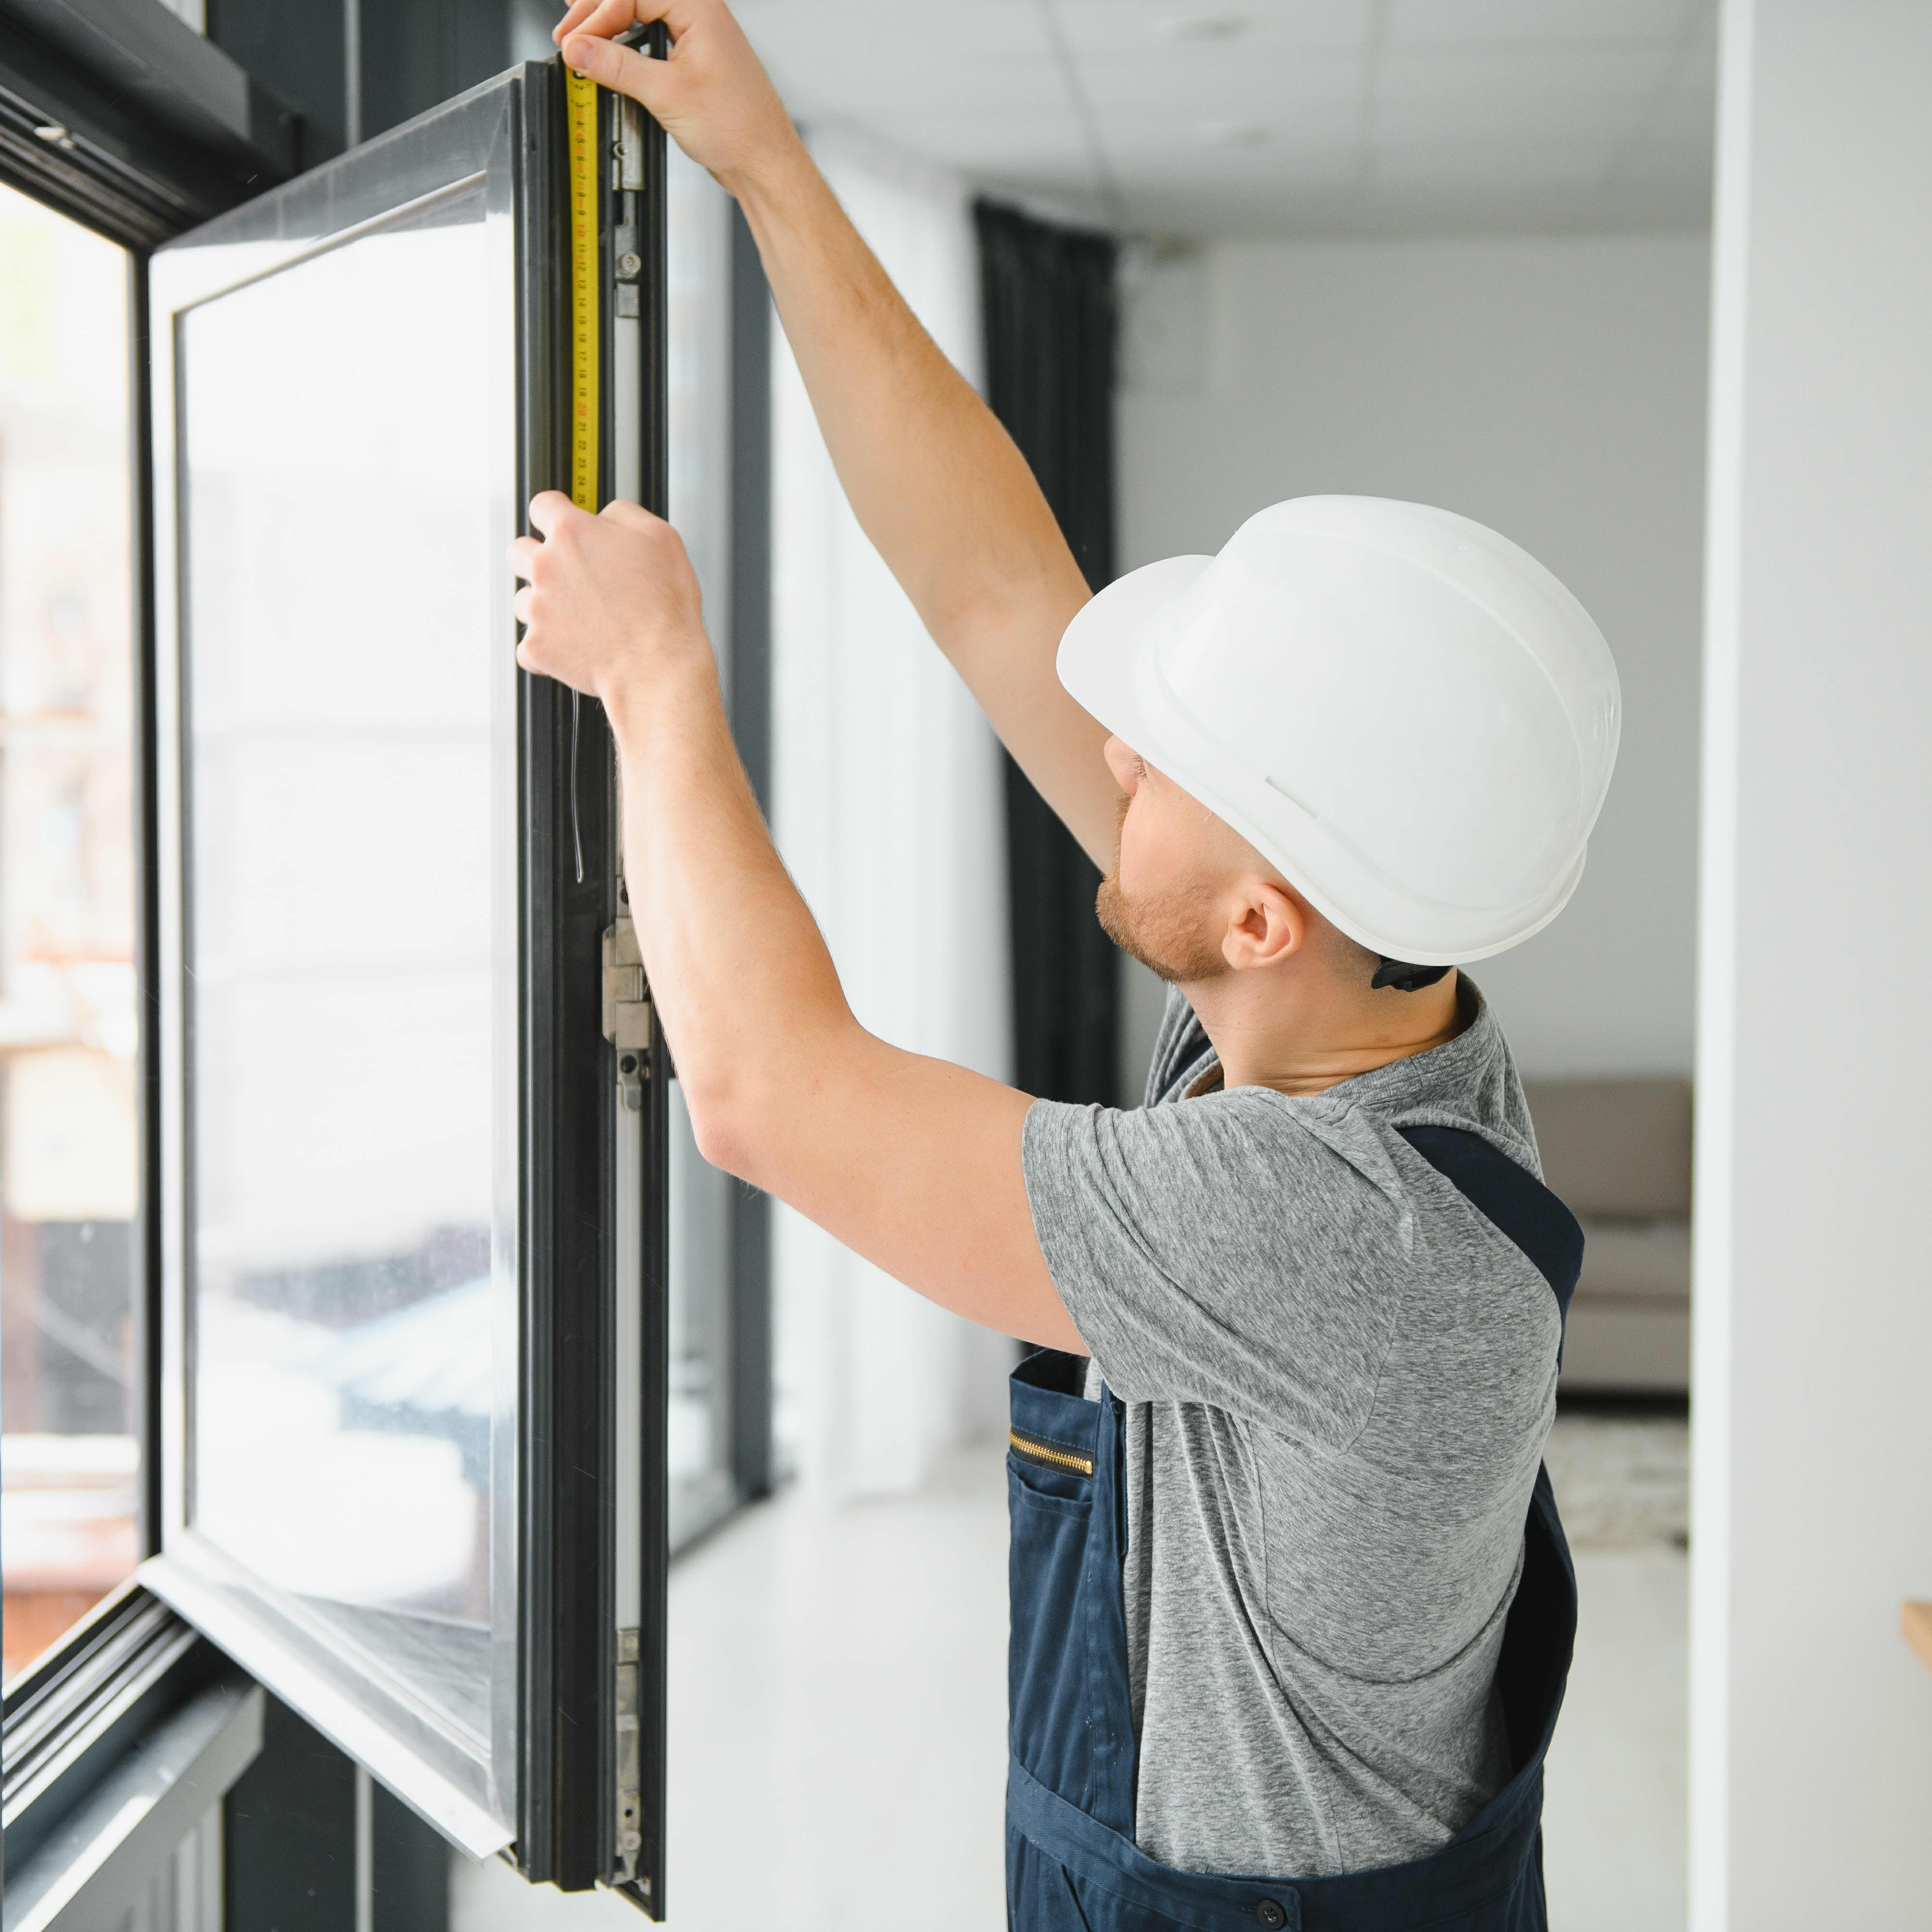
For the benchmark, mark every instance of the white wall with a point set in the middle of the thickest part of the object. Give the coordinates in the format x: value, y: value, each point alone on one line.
x: 1812, y: 1512
x: 1551, y: 388
x: 886, y: 807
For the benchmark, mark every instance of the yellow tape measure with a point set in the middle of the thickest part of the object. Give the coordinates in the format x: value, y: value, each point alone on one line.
x: 581, y: 103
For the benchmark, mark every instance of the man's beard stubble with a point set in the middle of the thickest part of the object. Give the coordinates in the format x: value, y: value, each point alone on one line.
x: 1169, y: 937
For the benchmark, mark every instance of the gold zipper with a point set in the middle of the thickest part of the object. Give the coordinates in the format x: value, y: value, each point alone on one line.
x: 1045, y: 1452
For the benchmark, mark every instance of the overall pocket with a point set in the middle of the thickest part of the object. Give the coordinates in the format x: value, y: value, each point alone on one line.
x: 1051, y: 1509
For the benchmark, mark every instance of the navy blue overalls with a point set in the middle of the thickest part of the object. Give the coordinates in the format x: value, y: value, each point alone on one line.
x: 1072, y: 1863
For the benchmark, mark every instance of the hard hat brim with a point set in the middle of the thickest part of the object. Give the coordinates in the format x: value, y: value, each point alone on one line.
x: 1107, y: 661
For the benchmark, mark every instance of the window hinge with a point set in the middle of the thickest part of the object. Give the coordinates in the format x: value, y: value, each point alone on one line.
x: 629, y: 1841
x: 627, y: 1009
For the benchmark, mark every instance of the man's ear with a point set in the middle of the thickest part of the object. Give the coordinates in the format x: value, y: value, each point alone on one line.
x: 1269, y: 925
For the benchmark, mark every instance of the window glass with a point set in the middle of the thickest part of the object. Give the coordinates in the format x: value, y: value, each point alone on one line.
x: 698, y: 323
x: 351, y: 988
x: 68, y: 1162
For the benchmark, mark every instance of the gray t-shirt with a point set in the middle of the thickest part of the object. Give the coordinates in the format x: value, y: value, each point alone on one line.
x: 1338, y: 1376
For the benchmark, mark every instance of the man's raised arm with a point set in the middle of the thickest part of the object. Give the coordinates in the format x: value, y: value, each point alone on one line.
x: 934, y: 480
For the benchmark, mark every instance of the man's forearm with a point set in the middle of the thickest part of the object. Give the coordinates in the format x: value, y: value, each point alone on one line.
x: 740, y: 972
x: 914, y: 1163
x: 935, y: 481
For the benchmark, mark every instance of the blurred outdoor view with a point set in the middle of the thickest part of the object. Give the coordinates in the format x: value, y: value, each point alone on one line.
x: 350, y: 972
x: 67, y: 1027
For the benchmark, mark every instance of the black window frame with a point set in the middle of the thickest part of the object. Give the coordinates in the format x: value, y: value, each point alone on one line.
x: 118, y: 114
x: 141, y: 149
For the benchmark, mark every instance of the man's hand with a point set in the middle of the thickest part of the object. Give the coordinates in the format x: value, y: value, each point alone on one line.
x: 914, y: 1163
x: 612, y: 602
x: 934, y: 480
x: 711, y: 96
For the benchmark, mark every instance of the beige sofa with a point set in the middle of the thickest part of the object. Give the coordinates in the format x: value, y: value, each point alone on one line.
x: 1618, y: 1152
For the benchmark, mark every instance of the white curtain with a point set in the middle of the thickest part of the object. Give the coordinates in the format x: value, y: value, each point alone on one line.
x: 887, y: 807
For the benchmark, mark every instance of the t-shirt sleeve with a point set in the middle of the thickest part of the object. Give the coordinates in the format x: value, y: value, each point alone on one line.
x: 1218, y: 1250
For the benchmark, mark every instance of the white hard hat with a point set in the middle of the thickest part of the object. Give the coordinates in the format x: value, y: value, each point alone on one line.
x: 1400, y: 710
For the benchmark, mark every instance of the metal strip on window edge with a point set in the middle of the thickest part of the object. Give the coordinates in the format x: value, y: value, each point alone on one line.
x: 77, y: 1711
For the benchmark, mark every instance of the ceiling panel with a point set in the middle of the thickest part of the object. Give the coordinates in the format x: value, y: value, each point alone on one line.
x: 1493, y: 165
x: 1199, y: 81
x: 1279, y: 27
x: 1279, y: 116
x: 1238, y: 161
x: 847, y: 56
x: 1016, y: 149
x: 1528, y: 22
x: 1519, y: 92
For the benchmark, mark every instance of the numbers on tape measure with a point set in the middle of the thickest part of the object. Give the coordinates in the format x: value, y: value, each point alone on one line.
x: 581, y: 103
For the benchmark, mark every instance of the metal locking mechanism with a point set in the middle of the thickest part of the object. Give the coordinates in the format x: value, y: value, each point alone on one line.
x: 629, y: 1766
x: 627, y: 179
x: 627, y: 1009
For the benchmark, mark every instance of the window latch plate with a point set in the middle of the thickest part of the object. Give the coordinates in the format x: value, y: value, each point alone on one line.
x: 627, y: 994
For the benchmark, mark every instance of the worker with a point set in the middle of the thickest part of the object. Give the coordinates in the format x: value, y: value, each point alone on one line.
x: 1292, y: 1610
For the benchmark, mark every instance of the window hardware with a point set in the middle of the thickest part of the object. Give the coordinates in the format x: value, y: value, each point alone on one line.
x: 627, y: 150
x: 627, y: 1010
x: 628, y: 1840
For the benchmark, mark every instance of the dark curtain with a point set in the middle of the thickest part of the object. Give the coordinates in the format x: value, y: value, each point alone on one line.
x: 1048, y: 298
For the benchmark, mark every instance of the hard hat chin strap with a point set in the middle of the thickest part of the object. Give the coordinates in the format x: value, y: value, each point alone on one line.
x: 1407, y: 978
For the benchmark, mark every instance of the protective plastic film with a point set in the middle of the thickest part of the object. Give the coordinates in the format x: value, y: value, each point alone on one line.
x: 348, y: 727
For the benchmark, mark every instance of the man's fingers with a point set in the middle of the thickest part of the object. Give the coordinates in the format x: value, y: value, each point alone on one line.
x: 608, y: 18
x: 605, y: 18
x: 634, y: 514
x: 580, y: 13
x: 549, y: 508
x: 520, y: 606
x: 523, y: 558
x: 623, y: 70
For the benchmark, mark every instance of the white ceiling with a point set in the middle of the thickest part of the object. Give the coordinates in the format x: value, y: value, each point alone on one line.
x: 1279, y: 117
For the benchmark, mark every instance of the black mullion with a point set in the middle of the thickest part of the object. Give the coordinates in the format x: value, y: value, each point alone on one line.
x: 598, y: 776
x: 653, y: 1713
x: 567, y: 1086
x: 543, y: 462
x: 146, y: 1286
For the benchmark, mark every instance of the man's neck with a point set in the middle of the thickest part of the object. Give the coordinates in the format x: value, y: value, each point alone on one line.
x: 1302, y: 1034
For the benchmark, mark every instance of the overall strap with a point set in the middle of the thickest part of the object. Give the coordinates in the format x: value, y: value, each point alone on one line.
x: 1542, y: 1628
x: 1510, y: 1197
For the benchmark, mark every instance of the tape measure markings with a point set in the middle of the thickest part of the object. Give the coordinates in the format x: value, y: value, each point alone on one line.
x: 581, y: 102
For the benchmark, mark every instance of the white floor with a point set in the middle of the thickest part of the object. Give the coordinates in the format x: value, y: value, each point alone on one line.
x: 838, y: 1713
x: 1614, y: 1811
x: 1614, y: 1803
